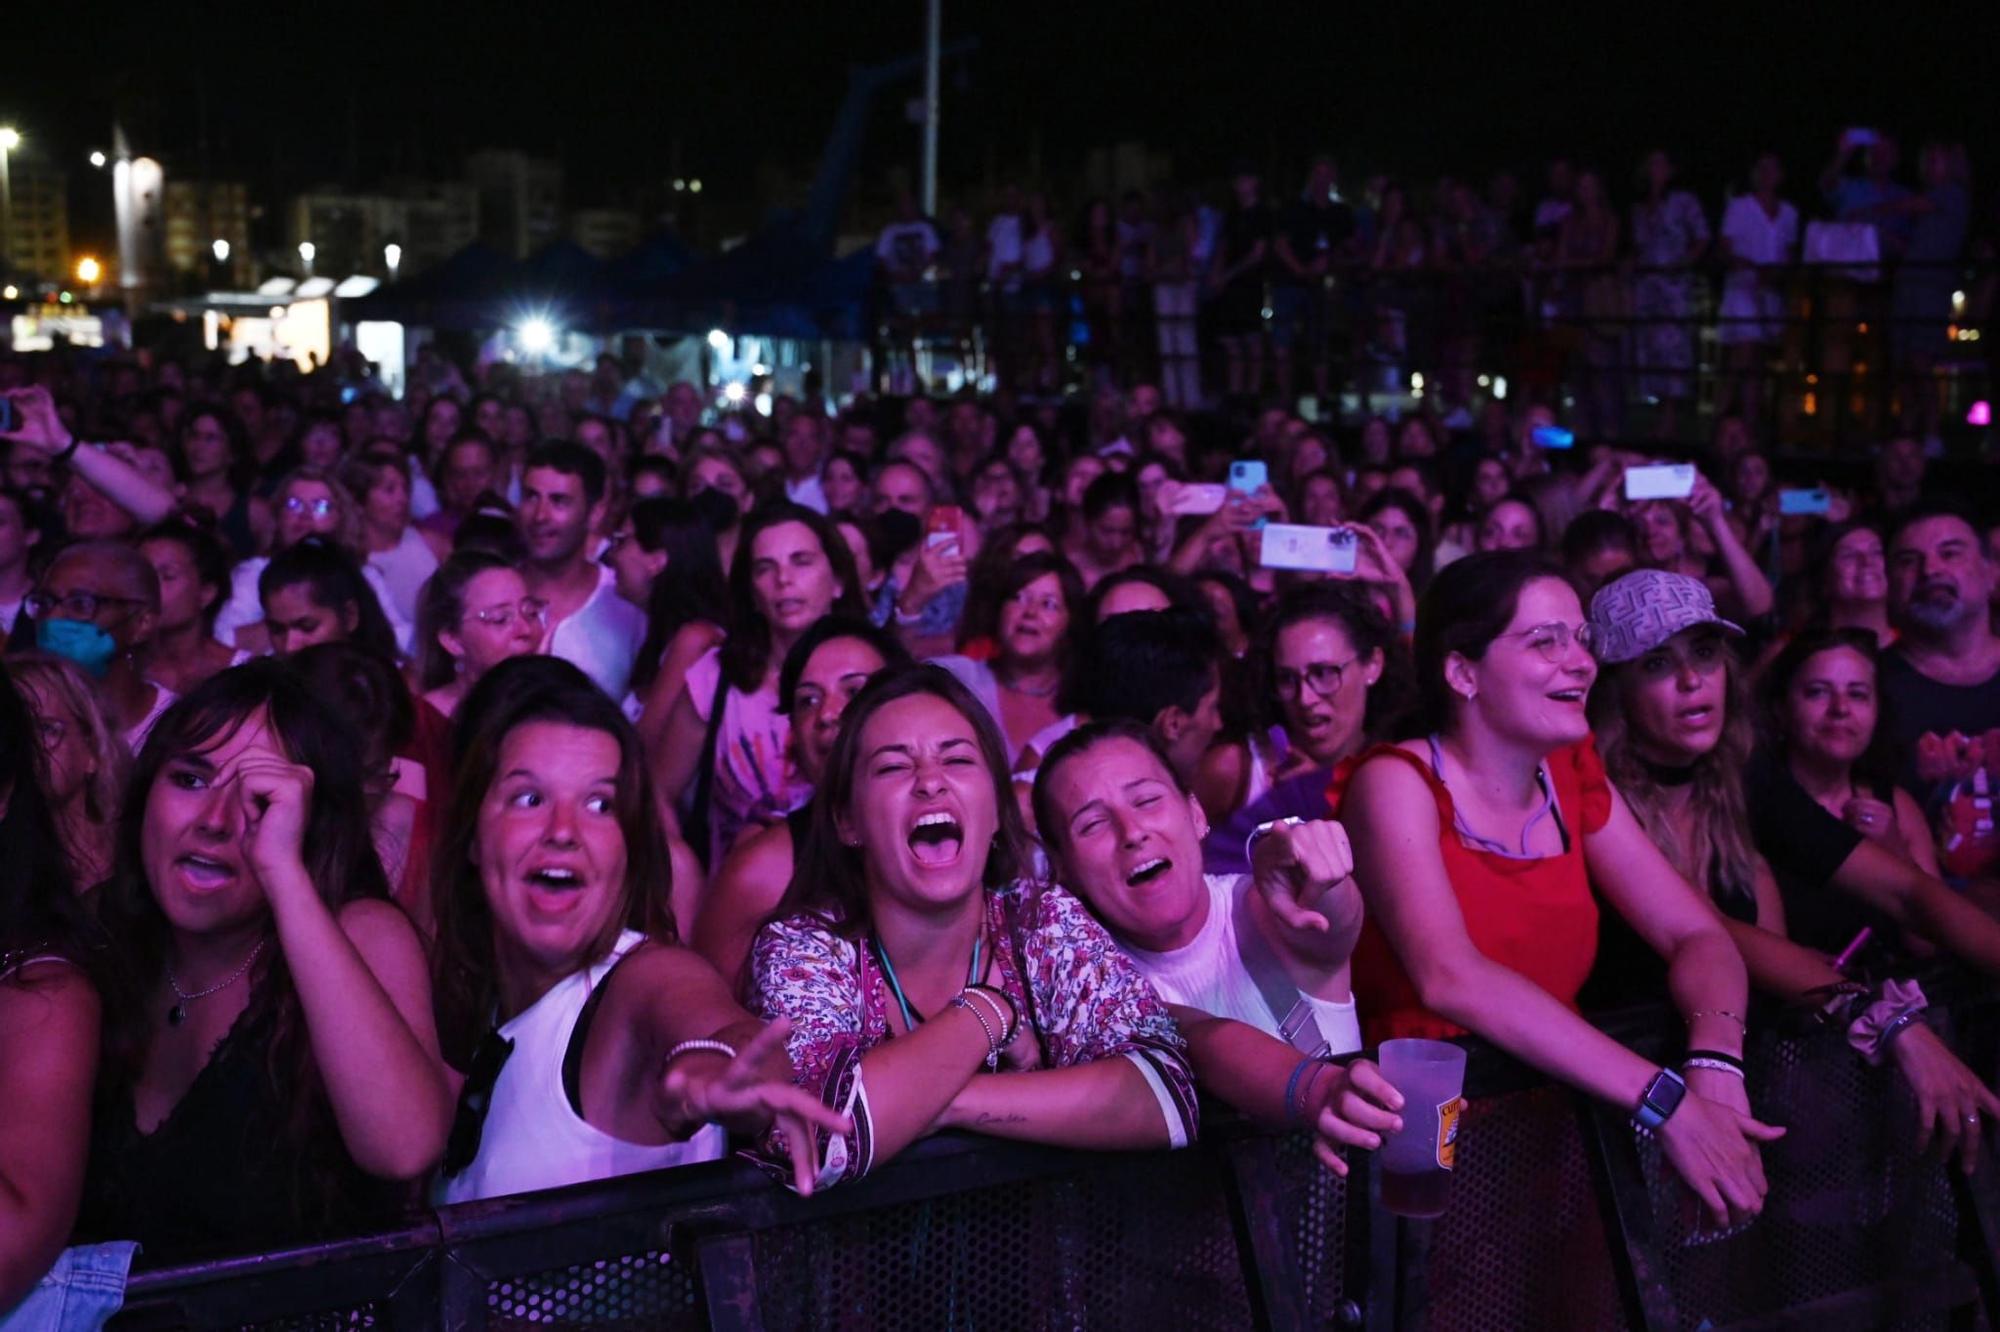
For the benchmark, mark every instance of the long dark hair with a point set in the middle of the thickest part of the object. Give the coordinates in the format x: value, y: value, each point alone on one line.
x: 340, y: 860
x: 1876, y: 767
x: 1468, y: 605
x: 464, y: 970
x: 38, y: 912
x: 690, y: 588
x: 747, y: 654
x: 829, y: 880
x: 337, y: 582
x: 1422, y: 568
x: 1008, y: 584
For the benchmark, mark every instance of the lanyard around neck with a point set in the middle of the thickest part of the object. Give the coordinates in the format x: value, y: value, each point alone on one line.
x: 911, y: 1018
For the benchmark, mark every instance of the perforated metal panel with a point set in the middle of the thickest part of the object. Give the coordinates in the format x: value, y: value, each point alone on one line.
x: 634, y: 1290
x: 1143, y: 1242
x: 1851, y: 1204
x: 1521, y: 1243
x: 337, y: 1320
x: 1316, y: 1200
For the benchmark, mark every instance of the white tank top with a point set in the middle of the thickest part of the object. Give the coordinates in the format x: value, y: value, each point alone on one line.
x: 532, y: 1138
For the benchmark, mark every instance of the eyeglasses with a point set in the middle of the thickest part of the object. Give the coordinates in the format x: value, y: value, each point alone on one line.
x: 79, y: 605
x: 468, y: 1124
x: 1552, y: 640
x: 319, y: 508
x: 1322, y: 677
x: 53, y: 731
x: 531, y: 608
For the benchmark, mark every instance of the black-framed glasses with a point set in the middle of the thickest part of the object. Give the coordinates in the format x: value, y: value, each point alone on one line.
x: 1322, y: 677
x: 79, y: 605
x: 1552, y: 640
x: 475, y: 1099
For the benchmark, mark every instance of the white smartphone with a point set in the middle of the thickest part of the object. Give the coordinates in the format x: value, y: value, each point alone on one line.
x: 1180, y: 498
x: 1318, y: 549
x: 1662, y: 481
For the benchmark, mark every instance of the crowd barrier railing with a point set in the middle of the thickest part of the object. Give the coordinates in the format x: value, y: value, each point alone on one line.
x: 1561, y: 1216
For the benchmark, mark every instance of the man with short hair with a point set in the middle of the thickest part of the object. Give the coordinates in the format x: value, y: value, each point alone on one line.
x: 589, y: 624
x: 805, y: 449
x: 1941, y: 684
x: 1161, y: 669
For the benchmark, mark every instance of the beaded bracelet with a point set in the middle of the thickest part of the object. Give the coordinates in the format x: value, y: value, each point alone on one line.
x: 1699, y: 1014
x: 997, y: 996
x: 992, y: 1042
x: 722, y: 1048
x: 1718, y: 1056
x: 1713, y: 1066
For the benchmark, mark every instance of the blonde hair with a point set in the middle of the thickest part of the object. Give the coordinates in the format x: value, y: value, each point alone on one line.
x: 53, y: 679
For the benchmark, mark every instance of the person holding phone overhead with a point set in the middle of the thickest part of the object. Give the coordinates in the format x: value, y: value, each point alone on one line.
x: 1666, y: 531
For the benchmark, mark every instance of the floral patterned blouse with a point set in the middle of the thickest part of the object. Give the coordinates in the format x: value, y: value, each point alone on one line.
x: 1084, y: 999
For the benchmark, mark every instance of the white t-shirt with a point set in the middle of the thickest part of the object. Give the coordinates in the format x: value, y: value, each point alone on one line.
x: 1757, y: 236
x: 245, y: 607
x: 807, y: 493
x: 602, y: 637
x: 1211, y: 975
x: 1003, y: 241
x: 907, y: 245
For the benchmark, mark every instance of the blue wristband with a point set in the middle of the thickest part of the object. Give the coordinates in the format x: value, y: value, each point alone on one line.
x: 1292, y: 1113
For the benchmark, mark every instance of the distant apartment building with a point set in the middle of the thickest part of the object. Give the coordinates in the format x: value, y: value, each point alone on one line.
x: 605, y: 232
x: 37, y: 241
x: 347, y: 231
x: 520, y: 200
x: 441, y: 217
x: 197, y: 215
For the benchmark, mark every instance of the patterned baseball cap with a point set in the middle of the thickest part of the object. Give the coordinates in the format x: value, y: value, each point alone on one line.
x: 1635, y: 614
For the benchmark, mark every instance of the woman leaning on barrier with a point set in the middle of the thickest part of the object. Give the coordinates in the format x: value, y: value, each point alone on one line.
x: 1674, y: 723
x: 1477, y: 848
x: 927, y: 984
x: 48, y: 1017
x: 271, y: 1072
x: 591, y: 1043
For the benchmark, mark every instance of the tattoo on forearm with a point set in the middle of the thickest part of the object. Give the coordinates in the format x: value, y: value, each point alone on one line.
x: 982, y: 1119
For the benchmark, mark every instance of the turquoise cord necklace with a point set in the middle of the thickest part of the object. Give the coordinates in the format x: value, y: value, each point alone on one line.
x: 911, y: 1018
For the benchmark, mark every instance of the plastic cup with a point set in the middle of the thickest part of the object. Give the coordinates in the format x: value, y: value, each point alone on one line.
x: 1416, y: 1162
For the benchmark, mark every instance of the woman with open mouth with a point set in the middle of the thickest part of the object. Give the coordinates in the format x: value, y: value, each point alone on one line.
x: 591, y: 1043
x: 271, y: 1069
x: 1039, y: 598
x: 927, y: 985
x: 1478, y: 846
x: 1675, y: 725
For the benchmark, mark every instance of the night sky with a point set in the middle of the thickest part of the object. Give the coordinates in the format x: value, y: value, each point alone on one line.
x: 293, y: 95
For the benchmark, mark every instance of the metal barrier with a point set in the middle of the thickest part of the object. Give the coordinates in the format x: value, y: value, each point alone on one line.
x: 1560, y: 1217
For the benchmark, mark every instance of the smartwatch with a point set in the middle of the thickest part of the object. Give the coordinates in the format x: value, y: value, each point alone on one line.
x: 1663, y: 1096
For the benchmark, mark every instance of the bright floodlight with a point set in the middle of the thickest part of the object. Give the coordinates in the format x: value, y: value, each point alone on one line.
x: 10, y: 291
x: 10, y: 139
x: 537, y: 335
x: 734, y: 392
x: 88, y: 270
x: 307, y: 250
x: 718, y: 339
x: 1981, y: 414
x: 97, y: 159
x: 392, y: 254
x: 221, y: 251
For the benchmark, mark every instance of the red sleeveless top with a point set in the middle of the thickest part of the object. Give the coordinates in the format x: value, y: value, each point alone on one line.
x: 1536, y: 917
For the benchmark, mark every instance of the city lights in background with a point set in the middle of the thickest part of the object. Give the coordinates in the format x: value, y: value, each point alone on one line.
x: 718, y: 340
x: 685, y: 185
x: 10, y: 138
x: 97, y: 160
x: 537, y: 336
x: 392, y: 257
x: 88, y: 271
x: 306, y: 252
x: 734, y: 392
x: 1980, y: 414
x: 10, y: 291
x: 220, y: 250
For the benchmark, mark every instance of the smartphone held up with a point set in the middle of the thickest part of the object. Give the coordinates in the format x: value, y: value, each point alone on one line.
x: 1309, y: 549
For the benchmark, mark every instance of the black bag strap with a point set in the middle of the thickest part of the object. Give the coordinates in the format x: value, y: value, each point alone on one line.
x: 699, y: 835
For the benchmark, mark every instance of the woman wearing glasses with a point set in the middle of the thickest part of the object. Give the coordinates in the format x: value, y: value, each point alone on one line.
x: 1330, y: 677
x: 98, y: 605
x: 308, y: 503
x: 475, y: 613
x: 591, y: 1042
x: 83, y: 761
x: 1039, y: 598
x: 1477, y: 847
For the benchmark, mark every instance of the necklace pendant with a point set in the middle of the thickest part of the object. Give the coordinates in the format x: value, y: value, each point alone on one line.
x: 177, y: 1015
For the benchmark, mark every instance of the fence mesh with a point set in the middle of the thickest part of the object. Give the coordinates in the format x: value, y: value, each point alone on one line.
x: 634, y: 1290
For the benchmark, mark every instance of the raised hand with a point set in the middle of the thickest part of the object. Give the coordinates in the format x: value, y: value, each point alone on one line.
x: 742, y: 1095
x: 1295, y: 864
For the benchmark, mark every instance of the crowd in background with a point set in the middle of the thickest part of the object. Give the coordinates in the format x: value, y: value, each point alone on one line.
x: 544, y: 777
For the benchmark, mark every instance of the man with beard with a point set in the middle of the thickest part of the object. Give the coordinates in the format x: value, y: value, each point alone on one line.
x: 589, y: 624
x: 1941, y: 683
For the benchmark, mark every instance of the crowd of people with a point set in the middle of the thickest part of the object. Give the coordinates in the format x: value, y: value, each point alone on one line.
x: 1601, y: 281
x: 540, y: 780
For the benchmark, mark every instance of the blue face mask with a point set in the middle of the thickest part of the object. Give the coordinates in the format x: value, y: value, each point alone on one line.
x: 80, y: 641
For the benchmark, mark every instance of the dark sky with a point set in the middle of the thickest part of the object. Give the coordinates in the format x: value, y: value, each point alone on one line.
x: 293, y: 94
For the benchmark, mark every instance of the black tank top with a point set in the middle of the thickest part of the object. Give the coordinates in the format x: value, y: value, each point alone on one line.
x: 219, y: 1174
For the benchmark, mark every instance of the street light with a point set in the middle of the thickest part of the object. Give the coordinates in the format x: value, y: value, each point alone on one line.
x: 97, y: 160
x: 220, y: 250
x: 306, y: 252
x: 392, y: 255
x: 10, y: 139
x: 88, y: 271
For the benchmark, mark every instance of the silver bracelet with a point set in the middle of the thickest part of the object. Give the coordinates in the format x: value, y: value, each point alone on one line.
x: 694, y: 1047
x: 1263, y: 830
x: 1712, y: 1065
x: 1004, y: 1019
x: 992, y: 1041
